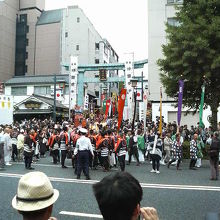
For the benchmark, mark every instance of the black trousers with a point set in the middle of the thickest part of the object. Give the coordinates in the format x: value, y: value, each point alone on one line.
x: 121, y: 160
x: 155, y: 164
x: 105, y: 163
x: 133, y: 151
x: 28, y: 159
x: 173, y: 160
x: 192, y: 163
x: 63, y: 157
x: 55, y: 154
x: 83, y: 163
x: 95, y: 160
x: 14, y: 152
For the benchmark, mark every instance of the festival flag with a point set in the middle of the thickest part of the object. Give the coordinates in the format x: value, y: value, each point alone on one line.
x: 180, y: 100
x: 160, y: 125
x: 104, y: 106
x: 201, y: 124
x: 108, y: 102
x: 121, y: 104
x: 113, y: 108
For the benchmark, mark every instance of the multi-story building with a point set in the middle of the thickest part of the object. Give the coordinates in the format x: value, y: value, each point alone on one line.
x: 159, y: 13
x: 8, y: 15
x: 37, y: 42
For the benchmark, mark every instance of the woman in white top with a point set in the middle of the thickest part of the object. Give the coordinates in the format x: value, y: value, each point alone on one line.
x: 7, y: 146
x: 20, y: 145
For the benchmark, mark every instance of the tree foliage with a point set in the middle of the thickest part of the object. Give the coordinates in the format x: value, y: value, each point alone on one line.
x: 193, y: 54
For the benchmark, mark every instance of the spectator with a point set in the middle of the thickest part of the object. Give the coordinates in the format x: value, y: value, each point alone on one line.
x: 35, y: 197
x: 119, y: 196
x: 214, y: 157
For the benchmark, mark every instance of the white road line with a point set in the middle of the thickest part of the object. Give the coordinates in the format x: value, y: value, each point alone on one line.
x: 42, y: 165
x: 87, y: 215
x: 144, y: 185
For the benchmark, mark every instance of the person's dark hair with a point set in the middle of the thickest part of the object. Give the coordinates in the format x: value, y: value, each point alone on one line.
x: 118, y: 195
x: 31, y: 214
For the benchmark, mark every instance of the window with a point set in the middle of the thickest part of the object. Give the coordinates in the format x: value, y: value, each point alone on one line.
x: 96, y: 61
x: 23, y: 18
x: 26, y: 55
x: 78, y: 19
x: 106, y: 50
x: 66, y: 34
x: 96, y: 46
x: 27, y: 42
x: 173, y: 22
x: 26, y: 69
x: 77, y: 47
x: 27, y: 29
x: 174, y: 1
x: 17, y: 91
x: 66, y: 91
x: 42, y: 90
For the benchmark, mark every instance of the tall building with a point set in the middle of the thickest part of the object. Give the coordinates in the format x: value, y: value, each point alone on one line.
x: 17, y: 36
x: 8, y: 13
x: 38, y: 42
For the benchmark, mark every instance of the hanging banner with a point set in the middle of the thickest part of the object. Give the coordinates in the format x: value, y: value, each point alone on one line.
x: 180, y: 101
x: 121, y: 104
x: 201, y: 124
x: 145, y: 108
x: 113, y: 108
x: 104, y: 106
x: 160, y: 125
x: 73, y: 75
x: 86, y: 102
x: 108, y: 102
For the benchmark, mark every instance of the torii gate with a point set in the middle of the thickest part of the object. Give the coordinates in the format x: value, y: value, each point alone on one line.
x: 96, y: 67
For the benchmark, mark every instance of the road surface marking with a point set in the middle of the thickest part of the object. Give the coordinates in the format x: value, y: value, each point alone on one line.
x: 87, y: 215
x: 144, y: 185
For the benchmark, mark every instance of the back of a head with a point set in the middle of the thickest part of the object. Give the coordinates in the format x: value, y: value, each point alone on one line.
x: 118, y: 195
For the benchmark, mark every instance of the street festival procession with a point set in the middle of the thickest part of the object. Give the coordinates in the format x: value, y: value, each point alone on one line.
x: 59, y: 107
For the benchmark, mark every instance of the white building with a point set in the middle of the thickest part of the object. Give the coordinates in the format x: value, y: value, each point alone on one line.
x: 159, y: 13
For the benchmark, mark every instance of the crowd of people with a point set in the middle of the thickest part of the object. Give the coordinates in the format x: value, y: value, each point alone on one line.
x: 100, y: 144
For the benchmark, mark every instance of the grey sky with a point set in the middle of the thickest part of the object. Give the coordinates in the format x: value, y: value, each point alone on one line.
x: 122, y: 22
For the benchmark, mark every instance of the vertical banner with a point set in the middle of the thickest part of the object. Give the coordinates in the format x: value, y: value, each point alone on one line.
x: 108, y: 102
x: 121, y: 104
x: 73, y: 81
x: 180, y: 101
x: 113, y: 108
x: 104, y: 106
x: 160, y: 125
x: 86, y: 102
x: 129, y: 73
x: 201, y: 124
x: 145, y: 108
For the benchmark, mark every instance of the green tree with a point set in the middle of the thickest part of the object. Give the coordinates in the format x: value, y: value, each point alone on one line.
x: 193, y: 54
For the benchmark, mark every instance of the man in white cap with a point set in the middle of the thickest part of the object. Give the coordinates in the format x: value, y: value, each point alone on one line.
x: 83, y: 149
x: 35, y: 197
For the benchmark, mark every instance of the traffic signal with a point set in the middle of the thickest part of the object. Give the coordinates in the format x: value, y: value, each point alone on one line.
x: 102, y: 75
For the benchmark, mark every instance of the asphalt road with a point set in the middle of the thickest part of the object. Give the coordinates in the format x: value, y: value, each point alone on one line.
x: 177, y: 195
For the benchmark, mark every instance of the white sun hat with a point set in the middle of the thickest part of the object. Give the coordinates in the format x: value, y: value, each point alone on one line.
x: 83, y: 130
x: 34, y: 192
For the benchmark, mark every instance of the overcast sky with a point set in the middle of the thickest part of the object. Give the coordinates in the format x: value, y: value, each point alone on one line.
x: 122, y: 22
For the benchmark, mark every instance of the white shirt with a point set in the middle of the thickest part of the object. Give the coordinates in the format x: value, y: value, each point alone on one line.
x: 83, y: 143
x: 2, y: 138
